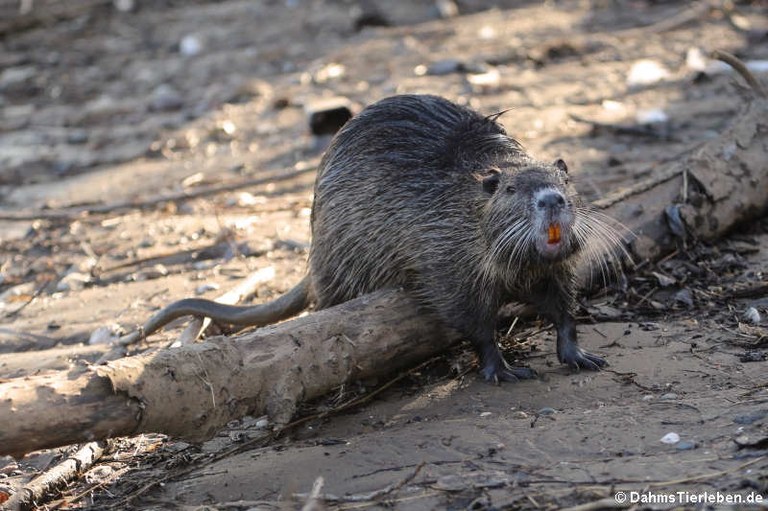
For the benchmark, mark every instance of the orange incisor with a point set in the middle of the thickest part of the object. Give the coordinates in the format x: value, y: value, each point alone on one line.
x: 554, y: 233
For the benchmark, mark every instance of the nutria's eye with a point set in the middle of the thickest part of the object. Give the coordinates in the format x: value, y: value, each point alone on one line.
x: 510, y: 189
x: 560, y: 164
x: 491, y: 183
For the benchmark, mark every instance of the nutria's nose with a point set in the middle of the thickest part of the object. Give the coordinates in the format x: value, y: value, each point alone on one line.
x: 549, y: 199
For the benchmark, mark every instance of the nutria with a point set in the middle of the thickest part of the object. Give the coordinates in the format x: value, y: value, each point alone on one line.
x: 419, y: 193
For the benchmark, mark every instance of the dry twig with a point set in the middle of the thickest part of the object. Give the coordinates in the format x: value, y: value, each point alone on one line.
x: 53, y: 480
x: 370, y: 496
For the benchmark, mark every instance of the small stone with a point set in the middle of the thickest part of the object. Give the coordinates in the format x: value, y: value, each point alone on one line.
x: 190, y: 45
x: 281, y: 103
x: 651, y: 116
x: 751, y: 418
x: 228, y: 127
x: 99, y: 473
x: 327, y: 116
x: 204, y: 288
x: 204, y: 265
x: 155, y: 272
x: 607, y: 312
x: 486, y: 32
x: 664, y: 281
x: 743, y: 440
x: 73, y: 281
x: 103, y: 335
x: 751, y: 315
x: 77, y: 136
x: 330, y: 72
x: 447, y: 8
x: 485, y: 82
x: 16, y: 76
x: 165, y: 99
x: 519, y: 415
x: 695, y: 60
x: 646, y: 72
x: 367, y: 14
x: 61, y: 168
x: 685, y: 445
x: 262, y: 423
x: 475, y: 67
x: 124, y: 5
x: 443, y: 67
x: 685, y: 297
x: 245, y: 200
x: 669, y: 396
x: 547, y: 411
x: 753, y: 356
x: 486, y: 414
x: 670, y: 438
x: 648, y: 397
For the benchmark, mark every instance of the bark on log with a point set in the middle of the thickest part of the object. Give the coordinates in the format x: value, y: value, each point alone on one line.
x: 193, y: 391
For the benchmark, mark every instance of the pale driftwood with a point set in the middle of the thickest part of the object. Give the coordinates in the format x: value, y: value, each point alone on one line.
x: 193, y: 391
x: 56, y: 478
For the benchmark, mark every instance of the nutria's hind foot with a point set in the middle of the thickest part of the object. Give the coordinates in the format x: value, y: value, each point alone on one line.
x: 501, y: 371
x: 576, y: 358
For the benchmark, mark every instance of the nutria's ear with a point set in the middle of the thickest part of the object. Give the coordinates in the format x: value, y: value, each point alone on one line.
x: 491, y: 182
x: 560, y: 164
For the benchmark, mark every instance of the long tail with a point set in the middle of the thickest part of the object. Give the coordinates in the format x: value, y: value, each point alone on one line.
x: 290, y: 304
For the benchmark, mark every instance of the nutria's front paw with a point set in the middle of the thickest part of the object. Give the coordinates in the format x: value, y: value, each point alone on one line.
x: 577, y: 358
x: 502, y: 371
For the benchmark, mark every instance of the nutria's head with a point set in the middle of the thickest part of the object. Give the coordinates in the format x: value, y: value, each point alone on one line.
x: 530, y: 214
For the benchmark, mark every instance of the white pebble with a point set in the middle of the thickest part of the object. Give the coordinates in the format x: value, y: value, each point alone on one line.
x: 670, y: 438
x: 124, y: 5
x: 752, y: 315
x: 646, y: 72
x: 73, y: 281
x: 246, y: 199
x: 651, y: 116
x: 487, y: 80
x: 204, y: 288
x: 486, y: 33
x: 103, y: 335
x: 695, y: 59
x: 757, y: 66
x: 610, y: 105
x: 190, y: 46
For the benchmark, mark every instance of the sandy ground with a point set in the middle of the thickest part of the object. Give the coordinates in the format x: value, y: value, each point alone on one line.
x: 101, y: 106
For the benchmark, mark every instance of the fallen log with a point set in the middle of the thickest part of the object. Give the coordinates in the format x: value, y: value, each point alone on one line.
x: 193, y: 391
